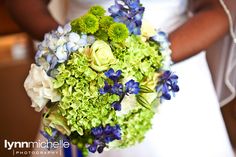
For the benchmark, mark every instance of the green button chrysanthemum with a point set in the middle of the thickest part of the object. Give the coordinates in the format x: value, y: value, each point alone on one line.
x: 118, y: 32
x: 97, y: 10
x: 102, y: 35
x: 88, y: 23
x: 106, y: 22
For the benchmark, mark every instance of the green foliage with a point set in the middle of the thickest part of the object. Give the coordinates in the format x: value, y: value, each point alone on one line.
x: 118, y: 32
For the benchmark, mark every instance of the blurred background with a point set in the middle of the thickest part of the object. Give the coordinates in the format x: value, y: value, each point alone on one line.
x: 19, y: 122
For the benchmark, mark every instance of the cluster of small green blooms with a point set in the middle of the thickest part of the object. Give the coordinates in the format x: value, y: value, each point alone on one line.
x: 101, y: 34
x: 88, y: 23
x: 134, y: 126
x: 81, y: 141
x: 119, y: 50
x: 97, y: 11
x: 106, y: 22
x: 137, y: 58
x: 118, y: 32
x: 81, y: 104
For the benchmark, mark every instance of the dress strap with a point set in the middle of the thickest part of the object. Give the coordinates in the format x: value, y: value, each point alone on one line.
x: 226, y: 9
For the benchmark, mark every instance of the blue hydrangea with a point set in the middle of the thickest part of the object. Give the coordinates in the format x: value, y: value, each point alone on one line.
x: 58, y: 45
x: 162, y: 39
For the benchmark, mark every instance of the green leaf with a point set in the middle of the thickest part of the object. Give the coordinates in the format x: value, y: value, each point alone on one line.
x: 145, y: 89
x: 142, y: 101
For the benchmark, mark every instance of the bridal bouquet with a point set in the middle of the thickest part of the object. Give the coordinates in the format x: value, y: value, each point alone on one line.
x: 99, y: 79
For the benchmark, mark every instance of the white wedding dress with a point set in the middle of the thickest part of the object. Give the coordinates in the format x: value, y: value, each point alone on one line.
x: 191, y: 124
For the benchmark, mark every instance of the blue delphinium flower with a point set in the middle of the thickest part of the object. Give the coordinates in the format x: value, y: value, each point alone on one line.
x: 98, y: 131
x: 117, y: 89
x: 132, y: 87
x: 105, y: 89
x: 103, y: 136
x: 116, y: 105
x: 108, y: 129
x: 129, y: 12
x: 53, y: 136
x: 111, y: 74
x: 168, y: 83
x: 92, y: 148
x: 116, y: 131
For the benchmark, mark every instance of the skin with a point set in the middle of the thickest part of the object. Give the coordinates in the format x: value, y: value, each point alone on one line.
x: 32, y: 16
x: 196, y: 34
x: 208, y: 24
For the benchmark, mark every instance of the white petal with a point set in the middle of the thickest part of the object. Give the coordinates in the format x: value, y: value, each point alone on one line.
x: 61, y: 54
x: 74, y: 37
x: 67, y: 28
x: 60, y: 30
x: 39, y: 87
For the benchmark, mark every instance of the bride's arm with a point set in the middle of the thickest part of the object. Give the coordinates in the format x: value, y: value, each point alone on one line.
x: 32, y: 16
x: 208, y: 24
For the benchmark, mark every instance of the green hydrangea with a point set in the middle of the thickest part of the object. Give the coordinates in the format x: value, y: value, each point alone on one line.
x: 81, y: 104
x: 97, y: 10
x: 106, y: 22
x: 139, y: 122
x: 88, y: 23
x: 118, y: 32
x: 137, y: 58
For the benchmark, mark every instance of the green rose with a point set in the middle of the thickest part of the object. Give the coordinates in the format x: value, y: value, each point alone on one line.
x: 57, y: 121
x: 101, y: 56
x: 150, y: 83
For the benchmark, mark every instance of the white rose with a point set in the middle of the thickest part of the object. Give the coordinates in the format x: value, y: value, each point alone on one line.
x: 39, y: 87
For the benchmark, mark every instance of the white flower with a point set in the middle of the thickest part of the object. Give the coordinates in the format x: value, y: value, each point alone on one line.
x: 39, y: 87
x: 128, y: 104
x: 147, y: 30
